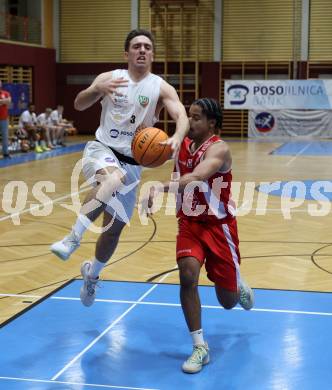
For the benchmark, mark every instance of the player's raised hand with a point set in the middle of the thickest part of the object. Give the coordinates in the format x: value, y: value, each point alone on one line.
x: 174, y: 142
x: 105, y: 84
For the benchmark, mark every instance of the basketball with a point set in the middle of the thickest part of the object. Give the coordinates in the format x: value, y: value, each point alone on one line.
x: 146, y: 147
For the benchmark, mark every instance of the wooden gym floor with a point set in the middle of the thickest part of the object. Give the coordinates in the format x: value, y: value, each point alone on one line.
x: 283, y: 245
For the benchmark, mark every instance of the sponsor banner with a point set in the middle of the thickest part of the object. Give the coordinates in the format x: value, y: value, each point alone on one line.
x: 315, y: 123
x: 278, y: 94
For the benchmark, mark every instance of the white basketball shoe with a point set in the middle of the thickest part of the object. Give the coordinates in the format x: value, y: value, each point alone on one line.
x: 246, y: 296
x: 64, y: 248
x: 88, y: 290
x: 197, y: 360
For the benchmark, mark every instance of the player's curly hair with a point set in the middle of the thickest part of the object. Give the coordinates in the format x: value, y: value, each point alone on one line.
x: 135, y: 33
x: 212, y: 110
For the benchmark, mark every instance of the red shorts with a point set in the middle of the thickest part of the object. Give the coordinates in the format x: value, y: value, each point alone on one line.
x: 216, y: 245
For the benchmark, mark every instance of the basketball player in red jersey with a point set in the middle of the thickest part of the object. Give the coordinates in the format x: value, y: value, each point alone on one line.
x: 207, y: 224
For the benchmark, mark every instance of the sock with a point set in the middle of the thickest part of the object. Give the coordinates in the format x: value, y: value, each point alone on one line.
x: 81, y: 224
x: 197, y: 336
x: 95, y: 269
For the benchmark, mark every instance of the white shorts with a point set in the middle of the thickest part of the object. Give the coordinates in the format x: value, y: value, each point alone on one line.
x: 97, y: 156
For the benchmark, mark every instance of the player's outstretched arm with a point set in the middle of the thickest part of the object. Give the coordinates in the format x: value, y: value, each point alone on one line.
x: 145, y: 204
x: 176, y: 110
x: 217, y: 157
x: 102, y: 85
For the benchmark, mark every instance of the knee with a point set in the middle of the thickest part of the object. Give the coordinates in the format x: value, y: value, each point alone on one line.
x: 188, y: 278
x: 226, y: 298
x: 110, y: 179
x: 111, y: 228
x: 111, y: 235
x: 109, y: 184
x: 226, y: 304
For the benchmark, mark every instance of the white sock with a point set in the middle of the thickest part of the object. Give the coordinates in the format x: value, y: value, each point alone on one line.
x: 95, y: 269
x: 197, y: 336
x: 81, y: 224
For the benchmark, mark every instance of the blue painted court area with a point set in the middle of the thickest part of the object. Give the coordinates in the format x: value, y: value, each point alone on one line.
x: 32, y: 156
x: 317, y: 190
x: 135, y: 337
x: 304, y: 148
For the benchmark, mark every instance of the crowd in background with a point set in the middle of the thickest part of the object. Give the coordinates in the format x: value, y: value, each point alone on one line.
x: 42, y: 132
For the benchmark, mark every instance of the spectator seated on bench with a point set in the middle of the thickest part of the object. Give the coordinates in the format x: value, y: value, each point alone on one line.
x: 52, y: 132
x: 28, y: 130
x: 56, y: 117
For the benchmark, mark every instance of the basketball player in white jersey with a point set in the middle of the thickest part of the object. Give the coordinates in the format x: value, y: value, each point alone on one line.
x: 131, y: 98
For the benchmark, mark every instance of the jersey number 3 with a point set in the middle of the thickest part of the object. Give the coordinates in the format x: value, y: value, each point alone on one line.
x: 133, y: 119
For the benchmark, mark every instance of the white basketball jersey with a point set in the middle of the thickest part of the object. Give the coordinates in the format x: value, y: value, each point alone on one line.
x: 43, y: 120
x: 122, y: 114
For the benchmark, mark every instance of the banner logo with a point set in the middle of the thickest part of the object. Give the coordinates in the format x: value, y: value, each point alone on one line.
x: 264, y: 122
x: 238, y: 93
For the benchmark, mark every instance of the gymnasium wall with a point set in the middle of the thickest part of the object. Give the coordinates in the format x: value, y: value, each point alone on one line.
x: 47, y: 32
x: 260, y: 30
x: 92, y: 35
x: 203, y: 24
x: 320, y: 43
x: 42, y: 61
x: 93, y: 31
x: 251, y: 30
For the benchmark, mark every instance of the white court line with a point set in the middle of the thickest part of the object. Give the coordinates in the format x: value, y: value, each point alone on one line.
x: 73, y: 383
x: 297, y: 154
x: 21, y: 295
x: 134, y: 303
x: 37, y: 206
x: 93, y: 342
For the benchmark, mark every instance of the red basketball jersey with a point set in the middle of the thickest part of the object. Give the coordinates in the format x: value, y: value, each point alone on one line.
x: 209, y: 201
x: 4, y: 107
